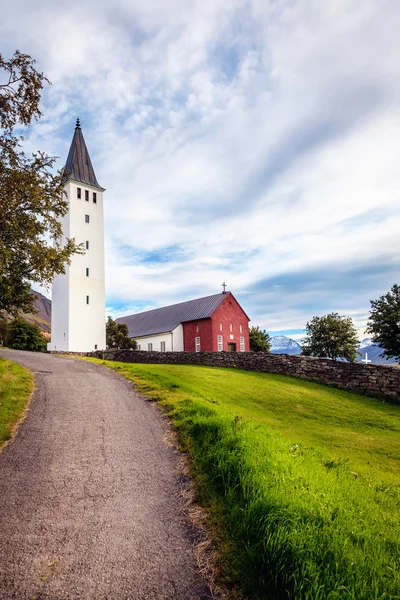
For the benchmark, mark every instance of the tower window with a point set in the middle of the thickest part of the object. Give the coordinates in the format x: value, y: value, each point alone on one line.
x: 242, y: 348
x: 86, y: 218
x: 87, y: 299
x: 87, y: 244
x: 87, y: 271
x: 197, y: 328
x: 94, y: 198
x: 87, y: 195
x: 220, y: 326
x: 78, y: 193
x: 230, y: 326
x: 241, y: 328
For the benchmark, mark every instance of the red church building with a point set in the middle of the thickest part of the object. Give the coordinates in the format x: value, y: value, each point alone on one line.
x: 210, y: 324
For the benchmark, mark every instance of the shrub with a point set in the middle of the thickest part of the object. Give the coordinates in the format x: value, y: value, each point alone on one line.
x: 24, y: 336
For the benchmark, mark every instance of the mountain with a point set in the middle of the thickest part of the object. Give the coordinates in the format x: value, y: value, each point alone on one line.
x: 366, y: 342
x: 42, y: 318
x: 280, y: 344
x: 373, y: 351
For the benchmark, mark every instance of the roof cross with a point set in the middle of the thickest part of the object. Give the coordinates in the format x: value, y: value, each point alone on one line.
x: 224, y: 287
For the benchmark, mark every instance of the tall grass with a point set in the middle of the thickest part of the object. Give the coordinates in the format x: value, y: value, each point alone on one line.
x: 16, y: 386
x: 299, y: 511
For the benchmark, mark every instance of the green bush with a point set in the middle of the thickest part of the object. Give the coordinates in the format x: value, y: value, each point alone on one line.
x: 24, y: 336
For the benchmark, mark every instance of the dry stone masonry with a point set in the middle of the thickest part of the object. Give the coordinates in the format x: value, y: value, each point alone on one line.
x: 372, y: 380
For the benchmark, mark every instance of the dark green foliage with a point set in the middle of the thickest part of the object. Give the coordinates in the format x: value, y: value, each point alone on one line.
x: 24, y: 336
x: 259, y: 340
x: 332, y: 336
x: 384, y: 322
x: 117, y: 335
x: 31, y: 195
x: 3, y: 330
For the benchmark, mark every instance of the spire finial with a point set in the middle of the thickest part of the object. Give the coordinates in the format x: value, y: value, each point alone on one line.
x: 78, y: 124
x: 224, y: 287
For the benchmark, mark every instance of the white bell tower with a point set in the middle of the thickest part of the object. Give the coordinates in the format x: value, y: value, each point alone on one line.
x: 78, y: 296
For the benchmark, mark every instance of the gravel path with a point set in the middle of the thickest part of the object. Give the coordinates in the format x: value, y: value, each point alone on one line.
x: 89, y: 493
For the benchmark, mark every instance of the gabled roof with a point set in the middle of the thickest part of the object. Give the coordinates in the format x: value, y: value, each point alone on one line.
x: 168, y: 318
x: 79, y: 166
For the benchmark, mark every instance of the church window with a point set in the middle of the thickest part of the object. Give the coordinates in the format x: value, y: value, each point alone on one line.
x: 87, y: 244
x: 162, y: 346
x: 87, y: 299
x: 87, y: 271
x: 94, y: 198
x: 86, y: 218
x: 139, y: 347
x: 197, y: 328
x: 242, y: 349
x: 241, y: 328
x: 78, y: 193
x: 220, y: 326
x: 150, y: 347
x: 197, y: 342
x: 220, y: 343
x: 87, y: 195
x: 230, y: 326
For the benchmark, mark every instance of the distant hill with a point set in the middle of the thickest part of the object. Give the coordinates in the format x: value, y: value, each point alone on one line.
x: 42, y: 318
x: 367, y: 346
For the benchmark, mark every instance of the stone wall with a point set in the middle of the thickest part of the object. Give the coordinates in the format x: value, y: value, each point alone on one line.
x: 373, y: 380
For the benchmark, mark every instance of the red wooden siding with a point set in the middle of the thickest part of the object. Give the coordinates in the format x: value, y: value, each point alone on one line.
x: 229, y: 311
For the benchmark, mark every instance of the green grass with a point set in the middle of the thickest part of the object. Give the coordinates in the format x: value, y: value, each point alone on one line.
x: 16, y: 386
x: 301, y: 482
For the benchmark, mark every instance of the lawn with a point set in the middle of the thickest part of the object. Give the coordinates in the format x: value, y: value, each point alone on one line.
x: 301, y: 482
x: 16, y: 386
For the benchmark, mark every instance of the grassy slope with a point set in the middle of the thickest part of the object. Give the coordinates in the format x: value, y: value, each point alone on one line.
x: 16, y: 386
x: 303, y: 480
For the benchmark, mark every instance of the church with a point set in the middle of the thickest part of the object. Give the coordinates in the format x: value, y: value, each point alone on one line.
x: 212, y: 323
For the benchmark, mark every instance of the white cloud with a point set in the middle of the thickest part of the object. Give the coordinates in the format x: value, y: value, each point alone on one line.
x: 258, y: 137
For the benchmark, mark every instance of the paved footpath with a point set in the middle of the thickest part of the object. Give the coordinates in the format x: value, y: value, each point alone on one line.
x: 89, y: 493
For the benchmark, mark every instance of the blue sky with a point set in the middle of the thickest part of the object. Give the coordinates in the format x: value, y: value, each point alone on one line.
x: 252, y: 141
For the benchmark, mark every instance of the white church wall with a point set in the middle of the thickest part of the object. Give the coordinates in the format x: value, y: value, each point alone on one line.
x: 79, y: 326
x: 173, y: 341
x: 87, y: 292
x: 156, y: 341
x: 178, y: 338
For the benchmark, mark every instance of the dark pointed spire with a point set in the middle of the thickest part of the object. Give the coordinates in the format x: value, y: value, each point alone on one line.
x: 79, y: 166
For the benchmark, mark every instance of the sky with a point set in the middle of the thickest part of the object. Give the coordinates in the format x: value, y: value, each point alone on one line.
x: 254, y: 142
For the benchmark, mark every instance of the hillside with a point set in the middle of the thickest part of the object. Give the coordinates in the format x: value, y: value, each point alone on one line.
x: 302, y: 479
x: 42, y: 317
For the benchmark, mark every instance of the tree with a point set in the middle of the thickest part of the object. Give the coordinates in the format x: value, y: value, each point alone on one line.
x: 384, y: 322
x: 24, y: 336
x: 332, y: 336
x: 31, y: 195
x: 259, y: 340
x: 117, y: 335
